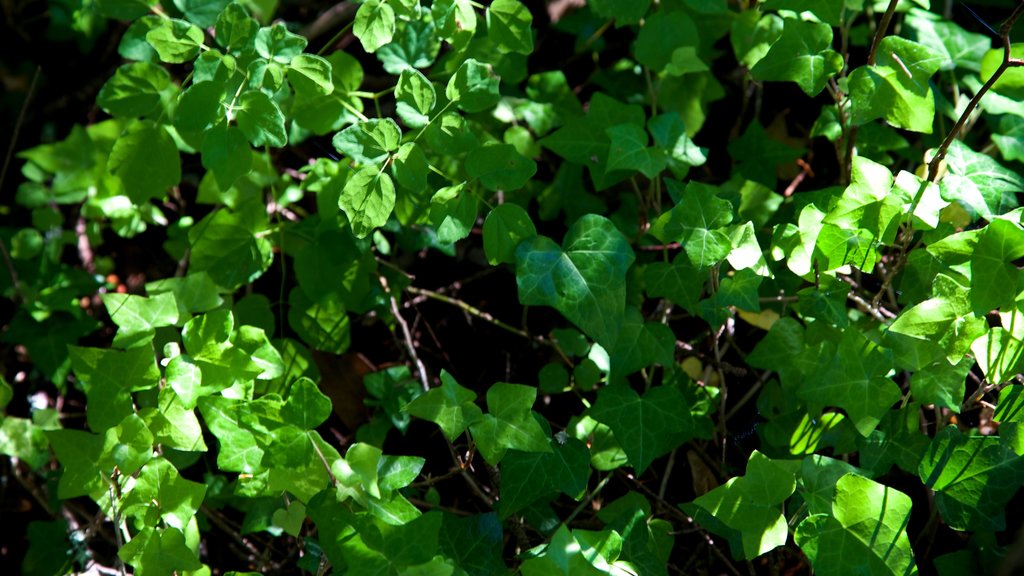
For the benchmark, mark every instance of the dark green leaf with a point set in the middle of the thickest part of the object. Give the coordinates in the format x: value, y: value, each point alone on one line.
x: 134, y: 90
x: 647, y: 426
x: 146, y: 160
x: 500, y: 167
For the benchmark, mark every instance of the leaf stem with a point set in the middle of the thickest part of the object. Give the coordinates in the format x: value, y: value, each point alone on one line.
x: 335, y: 38
x: 473, y: 311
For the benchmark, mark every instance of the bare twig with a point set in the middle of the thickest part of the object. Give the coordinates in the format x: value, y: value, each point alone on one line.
x: 410, y: 346
x: 883, y: 26
x: 18, y: 123
x: 1008, y: 62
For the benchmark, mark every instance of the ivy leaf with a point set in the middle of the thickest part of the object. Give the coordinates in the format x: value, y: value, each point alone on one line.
x: 453, y: 213
x: 957, y: 47
x: 505, y: 227
x: 509, y: 423
x: 229, y: 248
x: 510, y: 24
x: 306, y: 407
x: 238, y: 450
x: 679, y: 281
x: 108, y: 377
x: 310, y: 74
x: 896, y: 88
x: 802, y: 55
x: 199, y: 107
x: 751, y: 504
x: 828, y: 11
x: 647, y: 426
x: 370, y: 141
x: 235, y: 28
x: 260, y: 119
x: 134, y: 90
x: 623, y: 11
x: 175, y: 41
x: 450, y: 406
x: 982, y: 185
x: 374, y: 24
x: 277, y: 44
x: 696, y: 222
x: 146, y: 160
x: 474, y: 543
x: 415, y: 97
x: 159, y: 551
x: 973, y: 478
x: 585, y: 281
x: 203, y: 13
x: 527, y: 477
x: 639, y: 345
x: 226, y: 152
x: 368, y: 199
x: 629, y: 151
x: 79, y: 454
x: 866, y: 531
x: 322, y: 324
x: 669, y: 132
x: 995, y: 280
x: 500, y: 167
x: 159, y: 481
x: 172, y: 423
x: 662, y: 34
x: 414, y: 45
x: 138, y: 317
x: 854, y: 380
x: 473, y: 87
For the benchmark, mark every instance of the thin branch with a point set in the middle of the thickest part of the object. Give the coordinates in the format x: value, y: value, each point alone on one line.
x: 410, y: 347
x: 883, y: 26
x: 590, y: 497
x: 1008, y: 62
x: 18, y: 123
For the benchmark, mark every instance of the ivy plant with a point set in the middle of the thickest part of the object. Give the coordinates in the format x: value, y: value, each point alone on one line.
x: 480, y: 288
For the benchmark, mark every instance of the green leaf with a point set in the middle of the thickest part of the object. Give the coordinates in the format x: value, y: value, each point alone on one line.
x: 505, y: 227
x: 828, y: 11
x: 623, y: 11
x: 450, y: 406
x: 453, y: 213
x: 629, y: 151
x: 172, y: 423
x: 306, y: 407
x: 474, y: 543
x: 802, y: 55
x: 473, y: 87
x: 639, y: 345
x: 854, y: 379
x: 146, y: 160
x: 310, y: 74
x: 124, y: 9
x: 866, y: 531
x: 138, y: 317
x: 663, y: 33
x: 278, y: 44
x: 200, y: 107
x: 647, y: 426
x: 134, y: 90
x: 108, y: 377
x: 175, y: 41
x: 500, y: 167
x: 982, y: 185
x: 753, y: 34
x: 751, y: 504
x: 530, y: 476
x: 510, y: 24
x: 585, y: 281
x: 159, y: 551
x: 203, y: 13
x: 260, y: 119
x: 79, y: 454
x: 696, y: 222
x: 896, y: 87
x: 226, y: 152
x: 995, y: 280
x: 415, y: 97
x: 238, y: 450
x: 414, y: 45
x: 235, y: 28
x: 958, y: 48
x: 669, y: 132
x: 230, y: 248
x: 973, y: 478
x: 509, y: 423
x: 159, y: 481
x: 374, y: 24
x: 367, y: 199
x: 323, y: 325
x: 370, y: 141
x: 760, y: 156
x: 679, y: 281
